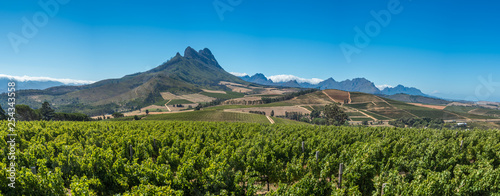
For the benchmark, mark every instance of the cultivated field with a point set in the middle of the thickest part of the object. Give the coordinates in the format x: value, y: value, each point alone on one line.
x: 438, y: 107
x: 278, y: 111
x: 212, y: 91
x: 195, y: 98
x: 338, y: 95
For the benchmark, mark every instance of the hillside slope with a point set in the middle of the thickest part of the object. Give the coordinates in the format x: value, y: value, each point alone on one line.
x: 180, y: 75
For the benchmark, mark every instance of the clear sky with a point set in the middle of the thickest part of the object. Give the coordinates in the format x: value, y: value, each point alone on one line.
x: 446, y: 48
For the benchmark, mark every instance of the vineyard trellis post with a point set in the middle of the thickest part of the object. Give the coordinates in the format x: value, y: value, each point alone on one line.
x: 303, y: 149
x: 341, y: 171
x: 33, y: 170
x: 131, y: 151
x: 461, y: 144
x: 317, y: 155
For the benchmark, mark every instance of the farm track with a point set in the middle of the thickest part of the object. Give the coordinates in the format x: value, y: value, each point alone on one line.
x: 366, y: 114
x: 352, y: 108
x: 270, y: 119
x: 166, y: 105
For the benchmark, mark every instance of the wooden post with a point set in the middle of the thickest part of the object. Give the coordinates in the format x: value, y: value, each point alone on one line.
x: 131, y: 151
x: 303, y: 147
x: 33, y: 170
x: 456, y: 134
x: 317, y: 155
x: 341, y: 171
x: 461, y: 144
x: 383, y: 186
x: 268, y: 184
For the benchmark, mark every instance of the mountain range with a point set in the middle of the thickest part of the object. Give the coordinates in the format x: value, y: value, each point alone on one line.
x: 354, y: 85
x: 191, y: 73
x: 25, y: 82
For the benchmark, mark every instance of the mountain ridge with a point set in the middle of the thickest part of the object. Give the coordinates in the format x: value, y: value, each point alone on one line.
x: 353, y: 85
x: 187, y: 74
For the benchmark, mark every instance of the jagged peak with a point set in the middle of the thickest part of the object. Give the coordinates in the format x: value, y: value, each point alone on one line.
x: 206, y: 52
x: 190, y: 53
x: 330, y: 79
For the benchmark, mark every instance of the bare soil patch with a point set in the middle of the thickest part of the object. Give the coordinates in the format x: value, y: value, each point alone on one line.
x: 213, y: 91
x: 338, y: 95
x: 439, y: 107
x: 168, y: 95
x: 195, y: 98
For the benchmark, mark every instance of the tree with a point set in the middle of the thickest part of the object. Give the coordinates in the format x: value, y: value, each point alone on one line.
x: 198, y: 107
x: 25, y: 113
x: 315, y: 114
x: 147, y: 112
x: 272, y: 112
x: 335, y: 115
x: 137, y: 117
x: 117, y: 115
x: 46, y: 111
x: 3, y: 116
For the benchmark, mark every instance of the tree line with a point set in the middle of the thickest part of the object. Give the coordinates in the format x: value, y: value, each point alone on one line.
x: 46, y: 113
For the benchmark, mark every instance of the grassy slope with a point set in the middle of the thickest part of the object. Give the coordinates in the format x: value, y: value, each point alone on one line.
x: 287, y: 122
x: 423, y: 111
x: 174, y: 101
x: 473, y: 111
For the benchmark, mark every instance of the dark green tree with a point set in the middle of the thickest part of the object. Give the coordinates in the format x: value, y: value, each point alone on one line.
x: 3, y: 116
x: 117, y: 115
x: 335, y: 115
x: 46, y: 111
x: 25, y: 113
x: 315, y: 114
x: 272, y: 112
x: 147, y: 112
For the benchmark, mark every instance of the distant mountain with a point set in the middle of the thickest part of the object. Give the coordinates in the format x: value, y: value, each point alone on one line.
x: 258, y: 78
x: 186, y: 74
x: 354, y: 85
x: 24, y: 83
x: 357, y: 84
x: 400, y: 89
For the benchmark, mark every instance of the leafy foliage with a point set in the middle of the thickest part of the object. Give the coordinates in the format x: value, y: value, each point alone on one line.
x: 213, y: 158
x: 335, y: 115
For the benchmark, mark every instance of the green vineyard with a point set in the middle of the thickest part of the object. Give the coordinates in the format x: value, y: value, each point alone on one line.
x: 222, y: 158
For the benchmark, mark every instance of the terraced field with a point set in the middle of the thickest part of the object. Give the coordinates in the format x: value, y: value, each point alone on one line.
x: 338, y: 95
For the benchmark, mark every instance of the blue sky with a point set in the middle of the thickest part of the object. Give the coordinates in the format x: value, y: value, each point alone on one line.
x: 446, y: 48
